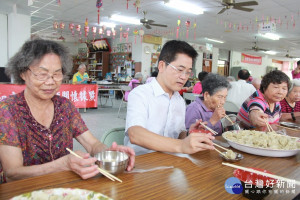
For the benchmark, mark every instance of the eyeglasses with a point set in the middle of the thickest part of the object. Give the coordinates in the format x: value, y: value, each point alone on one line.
x: 181, y: 72
x: 58, y: 76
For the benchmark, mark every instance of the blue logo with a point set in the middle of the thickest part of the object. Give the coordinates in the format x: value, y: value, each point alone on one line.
x: 233, y: 186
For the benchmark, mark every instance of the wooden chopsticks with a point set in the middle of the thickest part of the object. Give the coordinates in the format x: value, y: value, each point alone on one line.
x: 102, y: 171
x: 270, y: 129
x: 292, y: 129
x: 212, y: 131
x: 228, y: 118
x: 261, y: 173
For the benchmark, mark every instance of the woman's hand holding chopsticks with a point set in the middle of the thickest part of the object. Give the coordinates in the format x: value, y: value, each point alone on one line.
x: 85, y: 166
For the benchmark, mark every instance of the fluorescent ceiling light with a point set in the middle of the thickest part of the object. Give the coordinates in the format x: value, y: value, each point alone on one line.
x: 213, y: 40
x: 108, y: 24
x: 271, y: 52
x: 124, y: 19
x: 271, y: 36
x: 184, y: 6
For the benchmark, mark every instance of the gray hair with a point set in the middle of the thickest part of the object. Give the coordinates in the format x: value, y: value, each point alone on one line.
x: 138, y: 75
x: 214, y: 83
x: 294, y: 83
x: 82, y: 65
x: 31, y: 53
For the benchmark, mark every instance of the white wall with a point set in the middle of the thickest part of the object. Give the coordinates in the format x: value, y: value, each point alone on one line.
x: 71, y: 46
x: 256, y: 70
x: 18, y: 32
x: 3, y: 40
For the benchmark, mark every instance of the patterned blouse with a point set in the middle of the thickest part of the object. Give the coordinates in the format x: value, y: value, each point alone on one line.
x: 287, y: 108
x: 257, y: 102
x: 39, y: 144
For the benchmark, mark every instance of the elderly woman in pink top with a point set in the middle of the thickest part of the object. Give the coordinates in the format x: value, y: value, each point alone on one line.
x: 198, y: 86
x: 133, y: 83
x: 296, y: 72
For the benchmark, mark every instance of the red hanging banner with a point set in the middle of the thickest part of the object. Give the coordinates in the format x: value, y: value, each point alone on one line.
x: 251, y: 59
x: 82, y: 96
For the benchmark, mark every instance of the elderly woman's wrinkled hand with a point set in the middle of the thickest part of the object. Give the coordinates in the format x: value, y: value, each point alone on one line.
x: 258, y: 118
x: 129, y: 151
x: 85, y: 167
x: 218, y: 114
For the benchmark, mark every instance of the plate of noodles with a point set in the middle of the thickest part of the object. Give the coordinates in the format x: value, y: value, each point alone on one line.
x: 62, y: 194
x: 263, y: 144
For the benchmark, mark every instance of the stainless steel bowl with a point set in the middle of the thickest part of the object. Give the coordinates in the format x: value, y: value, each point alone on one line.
x: 115, y: 162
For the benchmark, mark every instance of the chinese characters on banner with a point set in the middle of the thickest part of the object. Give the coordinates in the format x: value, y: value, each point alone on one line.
x: 251, y: 59
x: 83, y: 96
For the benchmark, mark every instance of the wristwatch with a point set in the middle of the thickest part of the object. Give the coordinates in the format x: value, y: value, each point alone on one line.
x: 293, y: 116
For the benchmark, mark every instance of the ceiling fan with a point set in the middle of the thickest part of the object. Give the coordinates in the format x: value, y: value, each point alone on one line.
x: 149, y: 22
x: 287, y: 55
x: 238, y: 6
x: 256, y: 48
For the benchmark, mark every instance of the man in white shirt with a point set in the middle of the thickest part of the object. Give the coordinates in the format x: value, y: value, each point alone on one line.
x: 156, y: 112
x: 240, y: 90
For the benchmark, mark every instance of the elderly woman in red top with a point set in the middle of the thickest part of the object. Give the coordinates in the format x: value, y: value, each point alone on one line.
x: 36, y: 126
x: 290, y: 105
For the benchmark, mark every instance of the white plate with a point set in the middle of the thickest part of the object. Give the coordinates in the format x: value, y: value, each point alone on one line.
x: 62, y: 193
x: 261, y: 151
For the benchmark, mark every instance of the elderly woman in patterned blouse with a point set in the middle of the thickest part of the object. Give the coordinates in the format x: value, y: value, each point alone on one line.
x: 37, y: 126
x: 263, y: 105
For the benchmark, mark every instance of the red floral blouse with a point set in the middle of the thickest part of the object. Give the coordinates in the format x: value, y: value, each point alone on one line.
x: 39, y: 144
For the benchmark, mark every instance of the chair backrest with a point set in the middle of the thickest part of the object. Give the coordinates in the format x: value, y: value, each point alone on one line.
x: 231, y: 107
x: 125, y: 88
x: 114, y: 135
x: 189, y: 96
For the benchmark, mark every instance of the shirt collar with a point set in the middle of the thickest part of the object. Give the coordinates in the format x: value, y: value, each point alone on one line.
x: 158, y: 90
x: 200, y: 101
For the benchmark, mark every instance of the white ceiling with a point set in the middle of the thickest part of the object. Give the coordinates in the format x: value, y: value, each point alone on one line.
x: 210, y: 24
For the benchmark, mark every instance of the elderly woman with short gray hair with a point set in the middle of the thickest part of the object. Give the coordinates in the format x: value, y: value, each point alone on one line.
x: 209, y: 107
x: 290, y: 105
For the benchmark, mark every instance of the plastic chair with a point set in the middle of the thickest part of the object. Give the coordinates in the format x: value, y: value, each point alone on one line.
x: 190, y: 96
x: 124, y: 88
x: 231, y: 107
x: 114, y: 135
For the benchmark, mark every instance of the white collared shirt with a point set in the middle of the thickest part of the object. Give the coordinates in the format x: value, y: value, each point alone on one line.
x: 150, y: 107
x: 240, y: 91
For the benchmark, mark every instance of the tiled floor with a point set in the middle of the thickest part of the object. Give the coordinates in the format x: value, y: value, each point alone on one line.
x: 102, y: 119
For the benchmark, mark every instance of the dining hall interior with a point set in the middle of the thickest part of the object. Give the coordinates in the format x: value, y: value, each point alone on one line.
x: 117, y: 44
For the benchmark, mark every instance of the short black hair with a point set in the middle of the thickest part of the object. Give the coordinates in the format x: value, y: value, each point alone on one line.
x: 243, y: 74
x: 173, y: 47
x: 154, y: 74
x: 298, y: 63
x: 202, y: 75
x: 213, y: 83
x: 275, y: 77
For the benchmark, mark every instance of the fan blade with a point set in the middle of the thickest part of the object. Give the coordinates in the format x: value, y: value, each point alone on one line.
x: 160, y: 25
x: 147, y: 26
x: 261, y: 49
x: 242, y: 8
x: 223, y: 10
x: 246, y: 3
